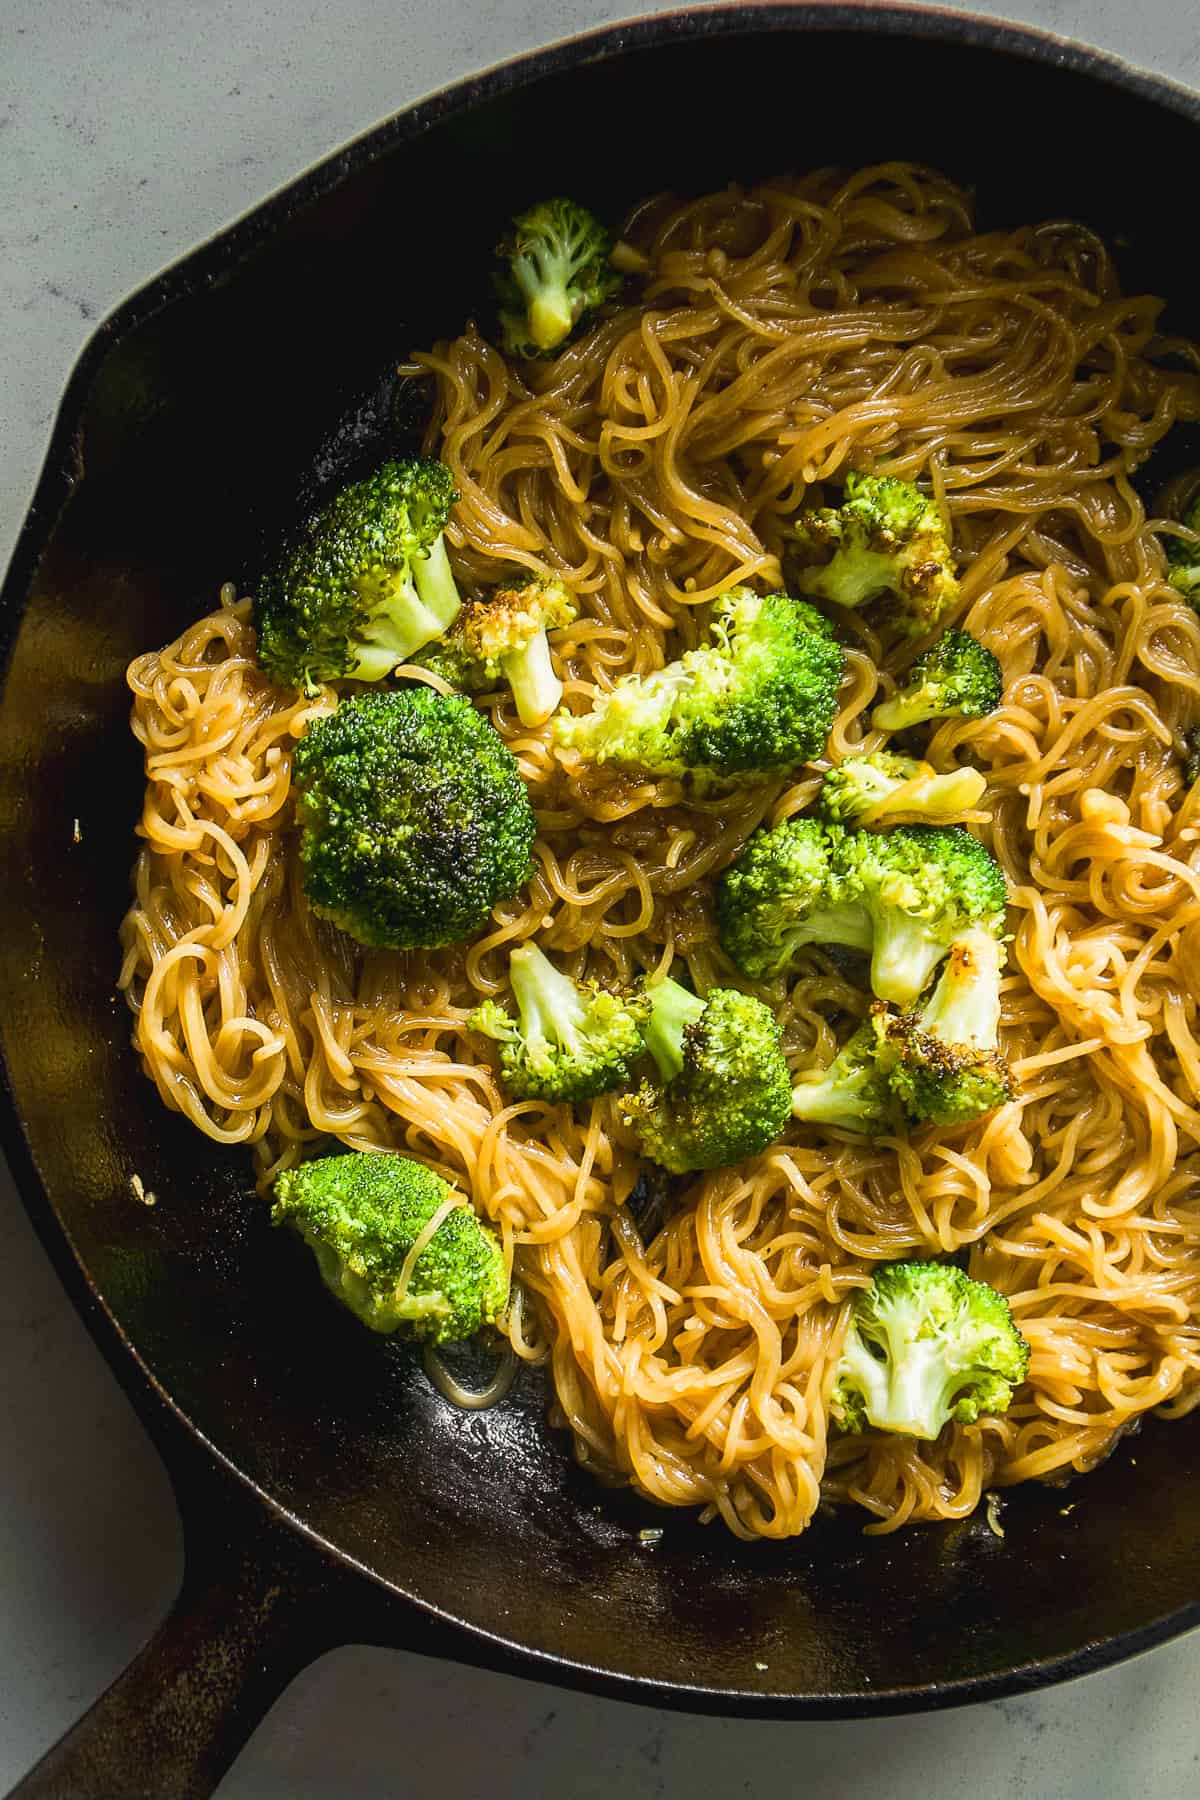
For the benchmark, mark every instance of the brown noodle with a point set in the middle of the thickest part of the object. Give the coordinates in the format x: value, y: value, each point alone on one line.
x: 783, y: 334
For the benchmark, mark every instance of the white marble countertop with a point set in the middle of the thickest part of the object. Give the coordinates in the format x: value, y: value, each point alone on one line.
x: 129, y: 131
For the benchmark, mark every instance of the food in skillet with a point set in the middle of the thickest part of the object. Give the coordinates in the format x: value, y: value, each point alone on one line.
x: 749, y: 744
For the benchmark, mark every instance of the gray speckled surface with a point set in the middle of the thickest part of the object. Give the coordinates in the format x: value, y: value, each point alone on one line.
x: 128, y: 132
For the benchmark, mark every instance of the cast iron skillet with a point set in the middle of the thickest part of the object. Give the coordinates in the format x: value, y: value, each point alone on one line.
x: 328, y: 1494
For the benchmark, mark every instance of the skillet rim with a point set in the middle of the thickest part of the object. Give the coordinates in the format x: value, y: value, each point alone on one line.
x: 61, y: 471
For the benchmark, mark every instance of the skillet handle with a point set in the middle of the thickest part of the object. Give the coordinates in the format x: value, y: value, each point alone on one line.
x: 257, y: 1604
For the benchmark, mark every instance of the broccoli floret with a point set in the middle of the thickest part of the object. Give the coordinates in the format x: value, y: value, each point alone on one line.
x: 725, y: 1092
x: 852, y: 1092
x: 957, y: 676
x: 571, y: 1041
x: 557, y: 269
x: 926, y: 1344
x: 786, y: 890
x: 366, y: 583
x: 922, y: 886
x: 364, y: 1215
x: 503, y: 637
x: 885, y: 538
x: 1183, y: 558
x: 904, y: 895
x: 870, y: 790
x: 416, y: 819
x: 759, y: 699
x: 944, y: 1063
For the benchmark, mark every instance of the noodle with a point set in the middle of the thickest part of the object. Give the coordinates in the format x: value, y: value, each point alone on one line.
x: 783, y: 333
x: 470, y: 1399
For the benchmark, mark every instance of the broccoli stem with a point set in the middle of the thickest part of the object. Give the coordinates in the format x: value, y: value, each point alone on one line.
x: 435, y: 584
x: 905, y: 955
x: 672, y: 1010
x: 407, y: 615
x: 834, y: 1100
x: 916, y: 1391
x: 965, y: 1005
x: 547, y: 1000
x: 847, y: 925
x: 551, y: 314
x: 908, y: 1392
x: 958, y: 790
x: 870, y: 801
x: 400, y: 627
x: 529, y: 672
x: 866, y: 1371
x: 902, y: 710
x: 373, y: 661
x: 853, y: 578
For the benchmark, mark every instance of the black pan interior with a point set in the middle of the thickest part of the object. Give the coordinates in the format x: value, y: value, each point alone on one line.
x: 205, y: 417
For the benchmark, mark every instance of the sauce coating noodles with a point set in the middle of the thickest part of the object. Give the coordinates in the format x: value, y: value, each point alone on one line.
x: 782, y: 334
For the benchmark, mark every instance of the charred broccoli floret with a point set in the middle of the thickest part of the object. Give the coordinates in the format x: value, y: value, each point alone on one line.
x: 556, y: 270
x: 571, y: 1041
x: 886, y: 537
x: 871, y: 790
x: 416, y: 819
x: 759, y: 699
x: 926, y: 1344
x: 957, y: 676
x: 502, y: 637
x: 367, y: 1220
x: 922, y: 887
x: 724, y: 1093
x: 852, y: 1092
x: 365, y: 584
x: 944, y: 1062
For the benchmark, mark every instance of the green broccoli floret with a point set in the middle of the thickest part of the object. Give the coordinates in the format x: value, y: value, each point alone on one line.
x: 786, y: 890
x: 365, y: 584
x: 363, y: 1216
x: 904, y: 895
x: 852, y: 1092
x: 922, y: 887
x: 571, y: 1042
x: 944, y: 1063
x: 926, y: 1344
x: 885, y: 538
x: 557, y: 269
x: 758, y: 700
x: 502, y: 637
x: 725, y: 1092
x: 416, y: 819
x: 1183, y: 558
x: 957, y: 676
x: 871, y: 790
